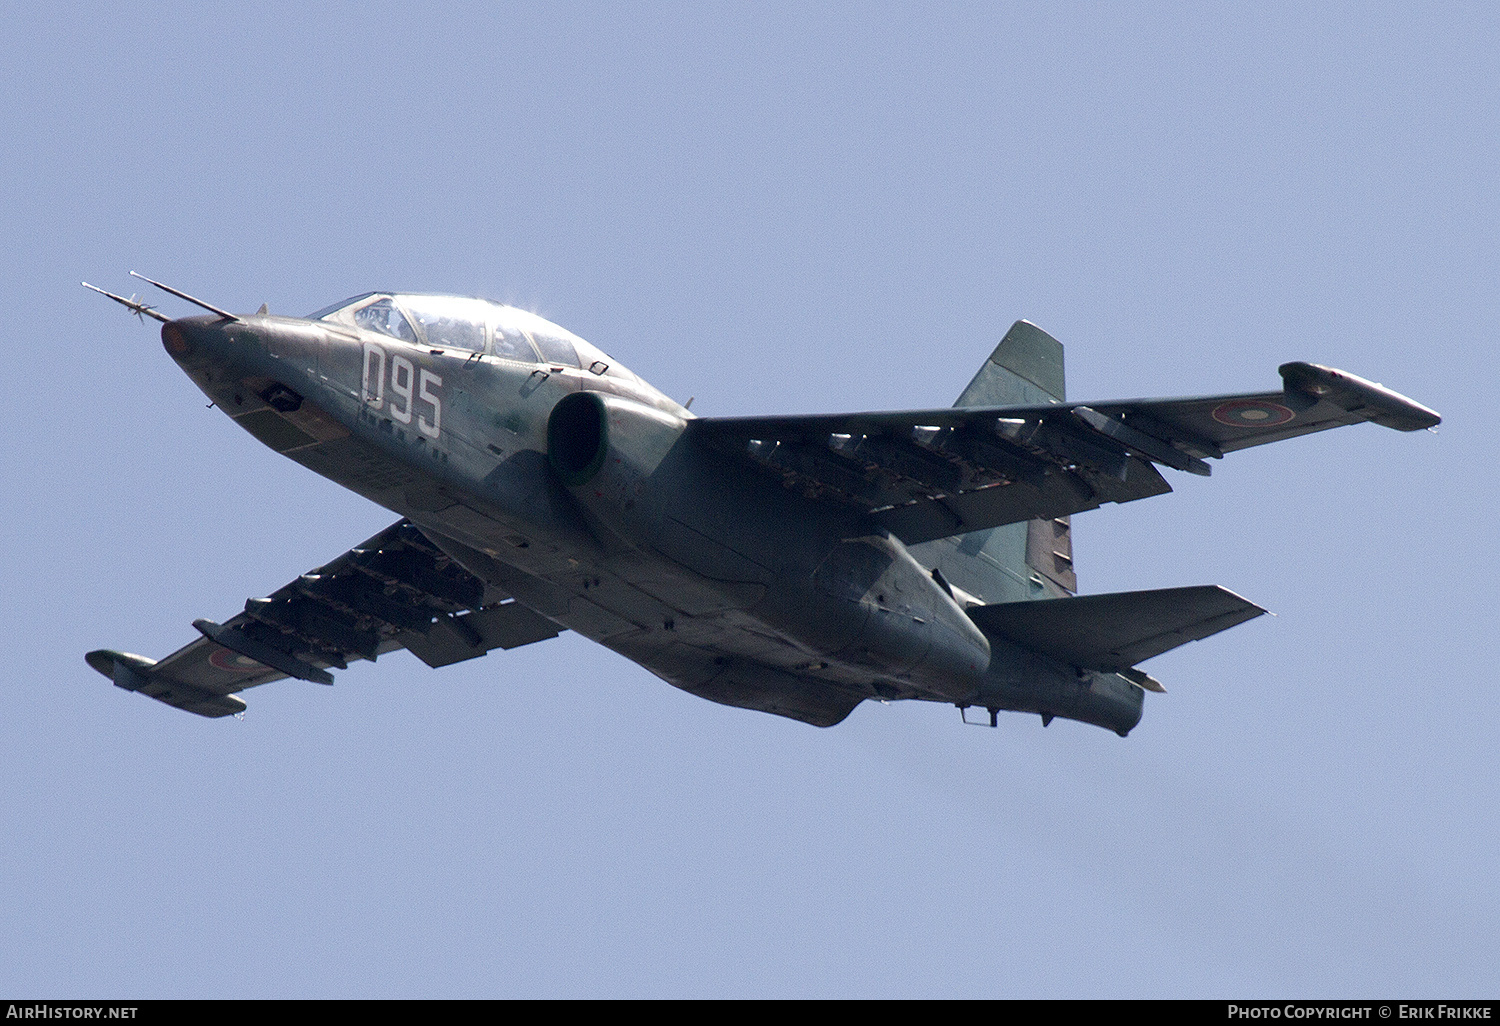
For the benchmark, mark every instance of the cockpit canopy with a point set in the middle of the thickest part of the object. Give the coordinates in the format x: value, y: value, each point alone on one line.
x: 469, y: 325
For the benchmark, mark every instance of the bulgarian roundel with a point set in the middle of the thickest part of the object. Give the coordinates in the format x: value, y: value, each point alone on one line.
x: 1252, y: 413
x: 233, y: 661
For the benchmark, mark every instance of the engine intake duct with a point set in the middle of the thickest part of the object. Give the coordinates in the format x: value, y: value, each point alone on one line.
x: 606, y: 450
x: 577, y: 437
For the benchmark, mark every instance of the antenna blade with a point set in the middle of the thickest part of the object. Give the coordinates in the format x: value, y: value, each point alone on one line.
x: 183, y: 295
x: 133, y: 306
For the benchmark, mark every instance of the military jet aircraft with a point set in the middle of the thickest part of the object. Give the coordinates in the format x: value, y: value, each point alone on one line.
x: 792, y: 565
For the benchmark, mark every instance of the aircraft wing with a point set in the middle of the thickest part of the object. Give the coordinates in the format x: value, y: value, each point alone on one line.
x: 928, y: 474
x: 396, y: 590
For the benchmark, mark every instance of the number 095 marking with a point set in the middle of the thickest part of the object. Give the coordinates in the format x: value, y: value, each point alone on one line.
x: 403, y: 375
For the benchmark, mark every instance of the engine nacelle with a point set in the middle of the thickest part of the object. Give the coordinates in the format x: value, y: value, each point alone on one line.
x: 1023, y: 681
x: 605, y: 449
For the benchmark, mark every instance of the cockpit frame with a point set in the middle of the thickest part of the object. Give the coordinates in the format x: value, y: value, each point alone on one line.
x: 438, y: 322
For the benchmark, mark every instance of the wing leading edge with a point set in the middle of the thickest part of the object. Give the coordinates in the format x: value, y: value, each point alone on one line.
x: 396, y: 590
x: 928, y: 474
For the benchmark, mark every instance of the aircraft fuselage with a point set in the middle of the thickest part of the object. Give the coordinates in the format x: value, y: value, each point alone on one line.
x: 576, y: 490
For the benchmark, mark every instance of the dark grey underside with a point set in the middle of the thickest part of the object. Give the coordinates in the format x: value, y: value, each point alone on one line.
x: 396, y: 590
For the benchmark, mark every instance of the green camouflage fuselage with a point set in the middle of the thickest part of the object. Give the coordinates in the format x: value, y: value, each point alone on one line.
x: 579, y: 491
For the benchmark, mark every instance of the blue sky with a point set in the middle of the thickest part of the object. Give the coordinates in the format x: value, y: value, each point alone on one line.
x: 773, y: 209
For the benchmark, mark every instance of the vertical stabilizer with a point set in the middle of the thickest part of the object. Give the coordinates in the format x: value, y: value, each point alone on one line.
x: 1026, y: 367
x: 1018, y: 561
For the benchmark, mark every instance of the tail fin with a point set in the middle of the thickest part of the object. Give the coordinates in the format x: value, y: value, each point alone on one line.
x: 1018, y: 561
x: 1026, y: 368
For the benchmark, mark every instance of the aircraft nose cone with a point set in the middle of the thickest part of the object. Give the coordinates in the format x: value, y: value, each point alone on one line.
x: 174, y: 339
x: 193, y: 340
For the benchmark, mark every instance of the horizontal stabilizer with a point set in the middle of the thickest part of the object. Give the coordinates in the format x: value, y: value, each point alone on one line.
x: 1115, y: 631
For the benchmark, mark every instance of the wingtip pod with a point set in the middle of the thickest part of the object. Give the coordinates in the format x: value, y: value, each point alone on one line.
x: 1366, y: 399
x: 124, y: 668
x: 134, y: 673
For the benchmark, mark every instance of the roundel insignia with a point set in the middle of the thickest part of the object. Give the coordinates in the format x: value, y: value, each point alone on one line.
x: 233, y: 661
x: 1252, y: 413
